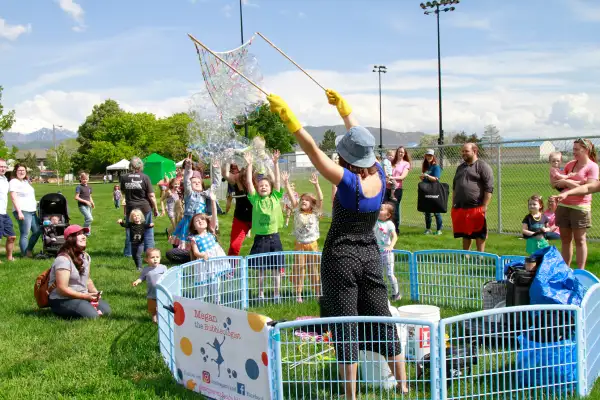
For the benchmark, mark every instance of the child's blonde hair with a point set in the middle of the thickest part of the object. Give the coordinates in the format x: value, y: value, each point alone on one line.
x: 83, y: 175
x: 555, y: 154
x: 390, y: 153
x: 311, y: 198
x: 178, y: 210
x: 389, y: 208
x: 136, y: 211
x: 152, y: 250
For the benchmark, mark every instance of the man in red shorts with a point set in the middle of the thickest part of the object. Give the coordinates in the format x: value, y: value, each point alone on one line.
x: 471, y: 193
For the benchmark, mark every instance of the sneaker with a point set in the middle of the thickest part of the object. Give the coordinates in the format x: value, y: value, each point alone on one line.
x: 438, y: 232
x: 427, y: 232
x: 396, y: 297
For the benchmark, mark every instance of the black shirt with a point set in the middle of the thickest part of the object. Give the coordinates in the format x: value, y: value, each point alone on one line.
x: 137, y: 188
x: 243, y: 208
x: 136, y: 231
x: 471, y: 183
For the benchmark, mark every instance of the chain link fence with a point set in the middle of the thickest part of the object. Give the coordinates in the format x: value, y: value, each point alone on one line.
x: 521, y: 169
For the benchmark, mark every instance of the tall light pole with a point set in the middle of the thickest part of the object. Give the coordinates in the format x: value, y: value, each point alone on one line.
x: 433, y: 7
x: 380, y: 69
x: 242, y: 37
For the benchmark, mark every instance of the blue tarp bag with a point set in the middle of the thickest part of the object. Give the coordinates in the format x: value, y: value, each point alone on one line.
x: 554, y: 281
x: 547, y: 364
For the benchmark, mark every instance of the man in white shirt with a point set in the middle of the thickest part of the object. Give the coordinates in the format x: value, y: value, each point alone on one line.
x: 6, y: 225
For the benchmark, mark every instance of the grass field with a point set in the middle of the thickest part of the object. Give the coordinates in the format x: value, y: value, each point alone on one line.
x: 118, y: 357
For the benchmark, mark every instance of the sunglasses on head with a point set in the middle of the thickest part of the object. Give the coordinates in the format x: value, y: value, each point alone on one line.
x: 583, y: 142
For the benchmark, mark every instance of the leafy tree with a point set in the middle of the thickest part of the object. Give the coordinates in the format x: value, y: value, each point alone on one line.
x: 462, y: 137
x: 491, y: 134
x: 31, y: 163
x: 328, y: 143
x: 428, y: 140
x: 60, y: 160
x: 86, y: 133
x: 6, y: 122
x: 170, y: 137
x: 263, y: 122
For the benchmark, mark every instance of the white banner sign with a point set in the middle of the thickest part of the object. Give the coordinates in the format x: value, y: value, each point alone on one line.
x: 221, y: 352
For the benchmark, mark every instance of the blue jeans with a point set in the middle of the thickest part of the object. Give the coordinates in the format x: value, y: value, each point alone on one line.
x: 117, y: 203
x: 86, y: 211
x: 31, y: 223
x: 397, y: 210
x: 148, y: 237
x: 438, y: 221
x: 77, y: 308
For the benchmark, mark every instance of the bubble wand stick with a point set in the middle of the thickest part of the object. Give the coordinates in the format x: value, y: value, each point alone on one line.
x: 226, y: 63
x: 292, y: 61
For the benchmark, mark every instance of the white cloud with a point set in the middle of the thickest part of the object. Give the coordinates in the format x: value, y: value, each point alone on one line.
x: 585, y: 10
x: 499, y: 88
x: 75, y: 11
x: 226, y: 10
x: 12, y: 32
x: 53, y: 77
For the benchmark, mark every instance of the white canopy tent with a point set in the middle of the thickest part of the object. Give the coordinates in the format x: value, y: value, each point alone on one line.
x: 120, y: 166
x: 180, y: 163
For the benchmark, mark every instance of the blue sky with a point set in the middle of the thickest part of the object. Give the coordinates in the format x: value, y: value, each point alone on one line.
x: 530, y: 67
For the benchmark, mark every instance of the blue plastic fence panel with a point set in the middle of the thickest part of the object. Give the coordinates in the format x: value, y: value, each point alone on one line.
x: 525, y: 352
x: 591, y: 319
x: 504, y: 261
x: 452, y: 277
x: 306, y: 353
x: 403, y: 270
x: 219, y: 280
x: 166, y: 287
x: 299, y: 274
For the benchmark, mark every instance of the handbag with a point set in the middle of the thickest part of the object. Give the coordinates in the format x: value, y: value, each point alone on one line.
x: 432, y: 197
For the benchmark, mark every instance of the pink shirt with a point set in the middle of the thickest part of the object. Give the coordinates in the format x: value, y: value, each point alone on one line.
x: 399, y: 169
x: 589, y: 171
x: 554, y: 172
x: 551, y: 221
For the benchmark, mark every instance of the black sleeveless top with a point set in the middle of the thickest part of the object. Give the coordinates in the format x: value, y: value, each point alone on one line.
x: 243, y: 208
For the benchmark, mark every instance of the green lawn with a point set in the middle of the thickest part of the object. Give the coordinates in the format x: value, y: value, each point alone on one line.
x: 118, y: 357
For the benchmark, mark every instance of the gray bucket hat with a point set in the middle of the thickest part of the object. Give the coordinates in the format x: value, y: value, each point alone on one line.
x: 356, y: 147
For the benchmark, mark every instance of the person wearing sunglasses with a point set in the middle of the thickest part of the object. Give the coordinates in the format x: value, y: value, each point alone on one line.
x: 574, y: 211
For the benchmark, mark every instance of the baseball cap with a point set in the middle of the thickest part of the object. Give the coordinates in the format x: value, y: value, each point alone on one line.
x: 72, y: 229
x: 356, y: 147
x: 429, y: 152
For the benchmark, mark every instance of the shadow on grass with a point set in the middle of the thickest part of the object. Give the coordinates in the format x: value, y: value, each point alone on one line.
x: 134, y: 355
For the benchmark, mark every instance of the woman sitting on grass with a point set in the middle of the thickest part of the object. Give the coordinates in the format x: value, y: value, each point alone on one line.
x: 72, y: 292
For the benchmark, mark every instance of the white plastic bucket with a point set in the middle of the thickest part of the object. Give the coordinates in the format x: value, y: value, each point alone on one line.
x: 415, y: 339
x: 374, y: 367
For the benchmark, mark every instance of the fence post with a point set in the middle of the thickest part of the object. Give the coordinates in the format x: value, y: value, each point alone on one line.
x: 245, y: 296
x: 499, y: 185
x: 413, y: 278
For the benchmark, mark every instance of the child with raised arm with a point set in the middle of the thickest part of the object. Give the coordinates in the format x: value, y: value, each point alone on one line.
x: 151, y: 274
x: 137, y: 227
x: 307, y: 212
x: 194, y: 200
x: 204, y: 245
x: 83, y: 195
x: 266, y: 222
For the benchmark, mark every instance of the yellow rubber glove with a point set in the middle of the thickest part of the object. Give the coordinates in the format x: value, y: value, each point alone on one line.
x: 280, y: 107
x: 342, y: 105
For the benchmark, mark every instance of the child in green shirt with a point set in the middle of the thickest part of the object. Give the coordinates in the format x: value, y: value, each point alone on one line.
x: 266, y: 221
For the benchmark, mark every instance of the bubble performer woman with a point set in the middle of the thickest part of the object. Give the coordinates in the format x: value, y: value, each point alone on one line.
x: 351, y: 264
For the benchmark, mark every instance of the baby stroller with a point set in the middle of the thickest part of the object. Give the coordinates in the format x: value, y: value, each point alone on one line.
x: 52, y: 205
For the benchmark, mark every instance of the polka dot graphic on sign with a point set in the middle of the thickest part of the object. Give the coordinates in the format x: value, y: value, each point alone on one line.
x: 265, y: 358
x: 257, y: 321
x: 252, y: 369
x: 186, y: 346
x: 190, y: 384
x: 179, y: 314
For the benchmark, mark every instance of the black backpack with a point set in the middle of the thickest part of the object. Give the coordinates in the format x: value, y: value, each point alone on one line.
x: 432, y: 197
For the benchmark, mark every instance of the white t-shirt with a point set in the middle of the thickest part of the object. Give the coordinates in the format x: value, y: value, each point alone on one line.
x: 25, y: 193
x: 383, y: 232
x: 3, y: 194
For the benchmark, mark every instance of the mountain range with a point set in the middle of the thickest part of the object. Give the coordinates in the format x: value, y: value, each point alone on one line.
x: 42, y: 138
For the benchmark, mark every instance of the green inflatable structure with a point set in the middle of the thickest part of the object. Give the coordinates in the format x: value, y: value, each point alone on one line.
x: 156, y: 166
